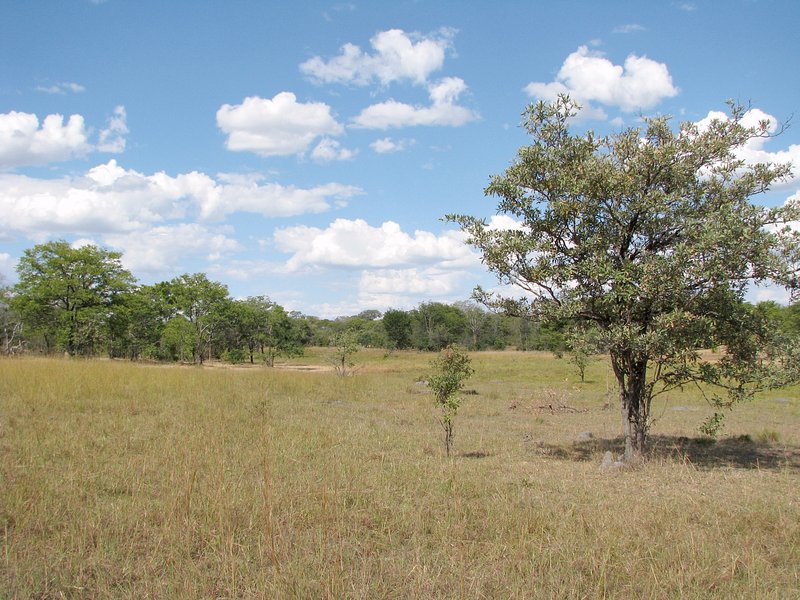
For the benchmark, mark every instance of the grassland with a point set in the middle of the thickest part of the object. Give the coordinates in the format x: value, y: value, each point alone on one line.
x: 121, y: 480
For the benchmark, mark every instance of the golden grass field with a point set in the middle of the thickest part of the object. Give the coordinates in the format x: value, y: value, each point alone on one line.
x: 125, y: 480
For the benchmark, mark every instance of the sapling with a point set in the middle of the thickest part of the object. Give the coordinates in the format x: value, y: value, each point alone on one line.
x: 343, y: 346
x: 449, y: 372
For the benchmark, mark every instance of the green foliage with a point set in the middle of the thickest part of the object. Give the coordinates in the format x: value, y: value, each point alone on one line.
x: 437, y: 325
x: 649, y: 236
x: 343, y: 346
x: 138, y: 322
x: 583, y: 345
x: 179, y: 340
x: 234, y: 356
x: 263, y: 326
x: 202, y: 303
x: 67, y: 294
x: 450, y: 370
x: 398, y: 327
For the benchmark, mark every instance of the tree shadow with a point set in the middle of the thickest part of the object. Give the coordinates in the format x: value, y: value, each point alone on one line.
x: 706, y: 453
x: 475, y: 454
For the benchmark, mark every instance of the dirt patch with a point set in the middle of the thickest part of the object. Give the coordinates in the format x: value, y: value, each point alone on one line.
x: 305, y: 368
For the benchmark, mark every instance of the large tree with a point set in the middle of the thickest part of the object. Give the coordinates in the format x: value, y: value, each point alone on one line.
x: 202, y: 302
x: 648, y: 236
x: 263, y: 325
x: 69, y: 294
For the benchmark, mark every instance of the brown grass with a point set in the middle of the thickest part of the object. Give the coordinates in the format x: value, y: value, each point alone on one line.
x: 120, y: 480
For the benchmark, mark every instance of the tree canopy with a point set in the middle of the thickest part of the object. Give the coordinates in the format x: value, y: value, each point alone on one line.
x: 68, y: 293
x: 648, y: 236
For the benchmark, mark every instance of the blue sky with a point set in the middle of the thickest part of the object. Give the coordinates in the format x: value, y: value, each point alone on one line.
x: 307, y: 151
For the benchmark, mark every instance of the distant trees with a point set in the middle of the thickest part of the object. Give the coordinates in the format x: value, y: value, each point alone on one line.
x: 263, y: 326
x: 399, y: 327
x: 82, y: 301
x: 200, y: 302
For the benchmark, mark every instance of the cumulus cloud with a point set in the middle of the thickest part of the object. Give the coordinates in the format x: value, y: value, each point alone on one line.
x: 111, y: 199
x: 755, y: 151
x: 329, y: 150
x: 503, y: 222
x: 26, y: 141
x: 61, y: 88
x: 387, y: 145
x: 112, y: 138
x: 356, y: 244
x: 402, y: 288
x: 163, y: 249
x: 397, y: 56
x: 237, y: 193
x: 588, y: 76
x: 280, y: 126
x: 443, y: 109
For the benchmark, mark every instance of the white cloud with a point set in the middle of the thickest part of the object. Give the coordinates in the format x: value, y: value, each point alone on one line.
x: 106, y: 199
x: 281, y: 126
x: 7, y: 264
x: 112, y: 138
x: 387, y: 145
x: 398, y: 56
x: 588, y: 77
x: 24, y: 141
x: 245, y: 269
x: 111, y: 199
x: 329, y: 150
x: 402, y: 288
x: 62, y: 88
x: 503, y: 222
x: 237, y: 193
x: 754, y: 151
x: 162, y: 250
x: 442, y: 111
x: 628, y: 28
x: 356, y: 244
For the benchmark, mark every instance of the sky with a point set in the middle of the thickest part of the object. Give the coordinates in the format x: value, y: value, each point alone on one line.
x: 308, y: 151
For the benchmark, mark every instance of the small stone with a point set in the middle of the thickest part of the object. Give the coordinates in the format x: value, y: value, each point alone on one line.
x: 584, y: 436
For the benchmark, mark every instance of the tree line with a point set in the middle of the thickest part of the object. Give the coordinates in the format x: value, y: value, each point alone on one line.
x: 83, y: 302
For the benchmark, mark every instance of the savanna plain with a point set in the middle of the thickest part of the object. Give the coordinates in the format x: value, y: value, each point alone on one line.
x: 126, y: 480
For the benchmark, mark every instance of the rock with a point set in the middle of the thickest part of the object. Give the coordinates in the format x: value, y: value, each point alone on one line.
x: 584, y: 436
x: 610, y: 463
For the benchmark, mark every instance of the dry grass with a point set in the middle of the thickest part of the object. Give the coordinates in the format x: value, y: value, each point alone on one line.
x: 120, y: 480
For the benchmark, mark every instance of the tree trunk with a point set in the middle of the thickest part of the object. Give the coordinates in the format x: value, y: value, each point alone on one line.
x: 634, y: 404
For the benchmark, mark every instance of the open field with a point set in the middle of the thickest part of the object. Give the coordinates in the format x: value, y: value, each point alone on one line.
x: 122, y: 480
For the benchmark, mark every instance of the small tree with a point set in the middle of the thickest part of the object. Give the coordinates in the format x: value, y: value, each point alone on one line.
x: 648, y: 236
x: 343, y: 345
x: 582, y: 347
x: 450, y: 370
x: 10, y: 323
